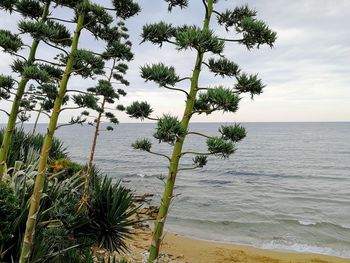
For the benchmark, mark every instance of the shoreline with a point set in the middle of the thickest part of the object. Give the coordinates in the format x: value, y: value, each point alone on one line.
x: 179, y: 249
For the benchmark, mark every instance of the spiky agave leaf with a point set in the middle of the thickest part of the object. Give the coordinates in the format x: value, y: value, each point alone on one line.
x: 230, y: 18
x: 249, y: 84
x: 86, y: 64
x: 159, y: 73
x: 174, y: 3
x: 199, y: 39
x: 200, y: 160
x: 256, y: 33
x: 142, y: 144
x: 10, y: 42
x: 51, y: 31
x: 223, y: 67
x: 168, y: 129
x: 158, y: 33
x: 234, y: 132
x: 6, y: 82
x: 220, y: 147
x: 29, y: 8
x: 126, y: 8
x: 216, y: 99
x: 139, y: 110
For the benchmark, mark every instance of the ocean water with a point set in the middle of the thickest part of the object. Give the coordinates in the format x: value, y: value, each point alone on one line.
x: 287, y: 187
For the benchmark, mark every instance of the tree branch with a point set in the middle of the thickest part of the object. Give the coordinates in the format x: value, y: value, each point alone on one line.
x: 195, y: 153
x: 188, y: 169
x: 8, y: 114
x: 60, y: 19
x: 160, y: 154
x: 61, y: 49
x: 167, y: 87
x: 70, y: 108
x: 200, y: 134
x: 230, y: 40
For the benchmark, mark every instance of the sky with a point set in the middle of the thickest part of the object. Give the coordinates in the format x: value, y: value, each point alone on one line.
x: 306, y: 73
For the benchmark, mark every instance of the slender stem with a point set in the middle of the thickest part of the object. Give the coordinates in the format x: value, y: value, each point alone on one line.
x: 36, y: 120
x: 176, y: 89
x: 11, y: 123
x: 188, y: 169
x: 160, y: 154
x: 200, y: 134
x: 176, y: 155
x: 85, y: 196
x: 40, y: 178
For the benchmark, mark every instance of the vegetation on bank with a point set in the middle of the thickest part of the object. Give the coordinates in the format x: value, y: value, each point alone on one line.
x: 55, y: 210
x: 63, y: 232
x: 209, y: 49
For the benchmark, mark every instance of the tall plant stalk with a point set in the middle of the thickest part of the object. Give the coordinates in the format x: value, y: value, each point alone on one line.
x: 200, y: 99
x: 11, y: 123
x: 175, y: 157
x: 40, y: 178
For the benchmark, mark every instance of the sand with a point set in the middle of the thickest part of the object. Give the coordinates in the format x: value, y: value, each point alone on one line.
x: 178, y: 249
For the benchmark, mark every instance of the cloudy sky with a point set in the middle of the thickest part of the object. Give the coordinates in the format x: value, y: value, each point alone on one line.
x: 306, y: 73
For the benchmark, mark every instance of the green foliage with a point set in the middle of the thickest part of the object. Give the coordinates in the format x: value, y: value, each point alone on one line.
x: 201, y: 40
x: 173, y: 3
x: 159, y: 73
x: 117, y: 49
x: 158, y: 33
x: 256, y: 33
x: 104, y: 88
x: 126, y: 8
x: 6, y: 82
x: 223, y: 67
x: 249, y: 84
x: 9, y: 208
x: 230, y: 18
x: 169, y: 129
x: 18, y: 65
x: 234, y: 133
x: 109, y: 213
x: 9, y: 42
x: 50, y: 31
x: 139, y: 110
x: 220, y: 147
x: 7, y: 5
x: 216, y: 99
x: 29, y: 8
x: 143, y: 145
x: 35, y: 73
x: 22, y: 145
x: 86, y: 64
x: 85, y: 100
x: 200, y: 161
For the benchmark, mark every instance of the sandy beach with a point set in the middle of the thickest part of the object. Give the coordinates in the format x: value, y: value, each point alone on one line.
x: 178, y: 249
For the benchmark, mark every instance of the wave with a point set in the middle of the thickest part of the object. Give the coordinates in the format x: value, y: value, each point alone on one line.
x: 305, y: 248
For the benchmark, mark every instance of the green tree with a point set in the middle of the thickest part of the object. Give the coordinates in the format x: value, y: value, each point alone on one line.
x: 101, y: 98
x: 35, y: 14
x: 209, y: 47
x: 96, y: 20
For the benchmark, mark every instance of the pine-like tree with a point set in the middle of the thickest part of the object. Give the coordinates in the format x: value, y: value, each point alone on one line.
x: 35, y: 15
x: 104, y: 95
x: 98, y: 21
x: 251, y: 33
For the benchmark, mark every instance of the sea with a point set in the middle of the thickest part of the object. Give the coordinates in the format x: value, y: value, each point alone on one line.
x: 287, y: 187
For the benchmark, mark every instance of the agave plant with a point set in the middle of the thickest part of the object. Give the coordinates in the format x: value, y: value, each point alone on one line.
x: 26, y: 147
x: 110, y: 214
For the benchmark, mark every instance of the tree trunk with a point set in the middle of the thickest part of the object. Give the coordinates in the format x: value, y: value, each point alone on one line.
x: 11, y: 123
x: 85, y: 196
x: 40, y: 178
x: 36, y: 121
x: 176, y: 155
